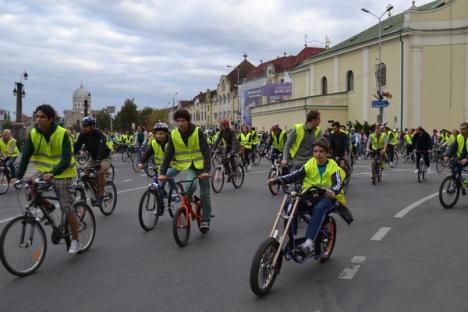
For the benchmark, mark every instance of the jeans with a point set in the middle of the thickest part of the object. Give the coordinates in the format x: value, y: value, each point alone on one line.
x: 204, y: 189
x: 11, y: 164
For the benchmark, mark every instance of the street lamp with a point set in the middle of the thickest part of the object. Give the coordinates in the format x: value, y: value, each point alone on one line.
x: 173, y: 98
x: 379, y: 66
x: 238, y: 91
x: 19, y: 92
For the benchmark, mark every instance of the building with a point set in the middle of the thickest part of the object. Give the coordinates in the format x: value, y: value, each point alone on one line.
x: 424, y: 73
x: 202, y: 107
x: 73, y: 117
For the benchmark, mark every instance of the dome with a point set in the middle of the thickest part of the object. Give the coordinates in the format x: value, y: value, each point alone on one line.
x: 81, y: 94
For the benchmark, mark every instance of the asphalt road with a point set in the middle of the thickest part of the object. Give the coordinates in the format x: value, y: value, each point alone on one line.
x: 389, y: 259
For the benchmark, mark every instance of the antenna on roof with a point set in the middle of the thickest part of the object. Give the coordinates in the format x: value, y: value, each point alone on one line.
x: 305, y: 41
x: 327, y: 42
x: 284, y: 53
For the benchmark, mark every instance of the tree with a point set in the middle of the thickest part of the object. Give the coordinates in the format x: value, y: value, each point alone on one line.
x: 103, y: 119
x: 127, y: 115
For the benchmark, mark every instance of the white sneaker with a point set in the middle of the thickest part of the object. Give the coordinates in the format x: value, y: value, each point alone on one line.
x: 415, y: 171
x: 249, y: 167
x: 75, y: 246
x: 307, y: 247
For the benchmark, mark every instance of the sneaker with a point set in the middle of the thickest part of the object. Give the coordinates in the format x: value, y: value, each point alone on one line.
x: 307, y: 247
x: 416, y: 171
x: 75, y: 246
x: 249, y: 167
x: 205, y: 226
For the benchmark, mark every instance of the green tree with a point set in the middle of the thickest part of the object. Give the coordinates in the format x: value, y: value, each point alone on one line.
x: 103, y: 120
x: 127, y: 115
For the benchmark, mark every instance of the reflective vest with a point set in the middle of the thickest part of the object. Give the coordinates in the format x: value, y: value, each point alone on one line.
x: 185, y: 155
x: 278, y: 141
x: 462, y: 145
x: 109, y: 143
x: 408, y: 139
x: 4, y: 147
x: 244, y: 140
x: 158, y: 152
x: 443, y: 137
x: 378, y: 144
x: 48, y: 155
x: 255, y: 138
x: 392, y: 138
x: 451, y: 140
x: 313, y: 177
x: 300, y: 131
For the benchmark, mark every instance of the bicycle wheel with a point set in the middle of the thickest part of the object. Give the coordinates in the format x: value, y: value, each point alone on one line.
x: 394, y: 163
x: 147, y: 210
x: 217, y: 179
x: 238, y: 177
x: 86, y: 225
x: 181, y: 227
x: 150, y: 168
x: 379, y: 172
x: 125, y: 156
x: 420, y: 173
x: 134, y: 159
x: 256, y: 158
x: 262, y: 273
x: 327, y: 239
x: 273, y: 188
x: 110, y: 199
x: 441, y: 165
x: 4, y: 182
x: 23, y: 246
x: 449, y: 192
x: 110, y: 174
x: 374, y: 173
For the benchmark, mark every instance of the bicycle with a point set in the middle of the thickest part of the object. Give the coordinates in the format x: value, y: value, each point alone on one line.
x: 422, y: 169
x: 82, y: 157
x: 275, y: 171
x: 268, y: 258
x: 181, y: 221
x: 255, y: 157
x: 135, y: 158
x: 451, y: 186
x: 219, y: 173
x: 23, y: 242
x: 5, y: 176
x: 376, y: 168
x: 87, y: 183
x: 394, y: 161
x: 348, y: 169
x: 150, y: 209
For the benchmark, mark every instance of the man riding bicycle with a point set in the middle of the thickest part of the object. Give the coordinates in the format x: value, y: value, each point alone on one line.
x: 422, y: 144
x: 231, y: 147
x: 49, y: 147
x: 276, y: 141
x: 95, y: 143
x: 339, y: 146
x: 378, y: 142
x: 191, y: 154
x: 459, y: 148
x: 9, y: 150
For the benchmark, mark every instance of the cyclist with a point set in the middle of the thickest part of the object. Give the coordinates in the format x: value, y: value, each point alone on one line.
x: 317, y: 171
x: 231, y: 147
x: 190, y: 152
x: 278, y: 138
x: 392, y: 136
x: 459, y: 148
x: 298, y: 149
x: 245, y: 139
x: 422, y: 144
x: 408, y: 140
x: 339, y: 146
x: 9, y: 149
x: 140, y: 140
x: 95, y: 143
x: 255, y: 140
x: 378, y: 142
x: 49, y: 147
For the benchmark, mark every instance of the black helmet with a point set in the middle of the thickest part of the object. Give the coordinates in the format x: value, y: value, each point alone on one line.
x: 161, y: 126
x: 62, y: 122
x: 89, y: 121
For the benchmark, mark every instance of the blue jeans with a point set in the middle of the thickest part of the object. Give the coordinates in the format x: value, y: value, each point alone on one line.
x: 11, y: 164
x: 204, y: 190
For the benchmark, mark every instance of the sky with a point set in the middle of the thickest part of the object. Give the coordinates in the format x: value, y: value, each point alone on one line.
x: 150, y: 50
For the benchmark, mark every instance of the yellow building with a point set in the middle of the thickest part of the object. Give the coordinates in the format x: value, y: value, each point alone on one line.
x: 425, y: 54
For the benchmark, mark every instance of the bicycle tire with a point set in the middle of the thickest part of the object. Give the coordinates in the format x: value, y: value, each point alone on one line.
x: 261, y: 264
x: 217, y: 180
x: 394, y: 163
x: 273, y: 188
x: 110, y: 174
x: 257, y: 159
x: 110, y: 197
x: 150, y: 168
x: 134, y: 159
x: 4, y: 182
x: 148, y: 218
x: 238, y: 177
x: 374, y: 175
x: 453, y: 187
x: 420, y: 173
x: 181, y: 222
x: 125, y: 156
x: 38, y: 253
x: 329, y: 229
x: 86, y: 225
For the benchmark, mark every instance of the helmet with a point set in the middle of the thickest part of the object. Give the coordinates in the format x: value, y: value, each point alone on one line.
x: 89, y: 120
x: 62, y: 122
x: 161, y: 126
x: 224, y: 122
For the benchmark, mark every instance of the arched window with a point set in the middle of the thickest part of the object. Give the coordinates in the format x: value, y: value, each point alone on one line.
x: 324, y: 86
x: 349, y: 81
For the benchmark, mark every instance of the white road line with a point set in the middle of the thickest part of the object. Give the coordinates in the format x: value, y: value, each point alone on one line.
x: 361, y: 173
x: 126, y: 180
x: 349, y: 272
x: 381, y: 233
x: 132, y: 189
x: 261, y: 171
x: 407, y: 209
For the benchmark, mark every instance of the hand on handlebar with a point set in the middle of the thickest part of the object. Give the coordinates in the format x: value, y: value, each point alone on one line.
x: 284, y: 163
x: 204, y: 175
x: 463, y: 162
x: 163, y: 178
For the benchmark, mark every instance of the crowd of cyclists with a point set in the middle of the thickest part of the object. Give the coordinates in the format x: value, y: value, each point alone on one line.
x: 309, y: 155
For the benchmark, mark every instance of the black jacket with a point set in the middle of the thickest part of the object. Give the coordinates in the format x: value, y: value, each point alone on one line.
x: 95, y: 143
x: 422, y: 141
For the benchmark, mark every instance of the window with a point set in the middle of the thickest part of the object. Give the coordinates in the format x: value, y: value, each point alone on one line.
x: 349, y: 81
x: 324, y: 86
x: 216, y: 116
x: 381, y: 74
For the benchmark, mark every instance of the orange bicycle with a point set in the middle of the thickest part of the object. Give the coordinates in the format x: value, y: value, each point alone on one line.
x: 191, y: 207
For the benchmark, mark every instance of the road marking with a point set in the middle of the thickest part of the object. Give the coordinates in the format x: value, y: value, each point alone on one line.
x: 126, y: 180
x: 6, y: 220
x: 132, y: 189
x: 381, y: 233
x: 407, y: 209
x: 261, y: 171
x: 349, y: 272
x: 360, y: 174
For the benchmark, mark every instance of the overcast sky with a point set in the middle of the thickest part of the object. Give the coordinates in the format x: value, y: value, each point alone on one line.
x: 145, y: 49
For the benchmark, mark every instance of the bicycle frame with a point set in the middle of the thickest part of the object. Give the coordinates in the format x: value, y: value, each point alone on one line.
x: 188, y: 200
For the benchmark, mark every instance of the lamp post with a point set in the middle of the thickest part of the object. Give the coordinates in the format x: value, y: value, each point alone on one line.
x: 20, y: 94
x: 173, y: 98
x: 238, y: 98
x: 379, y: 66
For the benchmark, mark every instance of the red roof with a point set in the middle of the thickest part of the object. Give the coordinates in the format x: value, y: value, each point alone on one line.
x: 284, y: 63
x: 245, y: 67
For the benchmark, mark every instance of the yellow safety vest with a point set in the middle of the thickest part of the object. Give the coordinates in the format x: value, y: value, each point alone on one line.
x: 313, y: 177
x: 4, y: 147
x: 245, y: 140
x: 278, y: 141
x: 451, y: 140
x: 378, y: 144
x: 255, y: 140
x: 48, y: 155
x: 300, y: 131
x: 185, y: 155
x: 462, y: 145
x: 408, y: 139
x: 158, y: 152
x: 393, y: 138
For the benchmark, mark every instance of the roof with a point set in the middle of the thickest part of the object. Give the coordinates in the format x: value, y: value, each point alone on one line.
x: 185, y: 103
x: 201, y: 97
x: 391, y: 25
x: 285, y: 63
x: 245, y: 67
